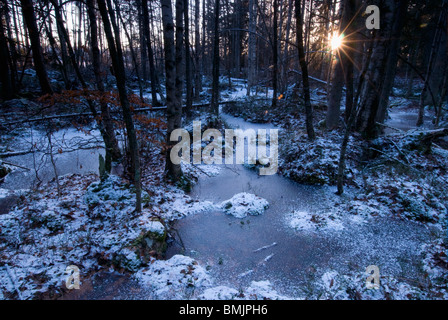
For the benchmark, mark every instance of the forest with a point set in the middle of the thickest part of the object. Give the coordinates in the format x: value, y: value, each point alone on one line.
x: 224, y: 149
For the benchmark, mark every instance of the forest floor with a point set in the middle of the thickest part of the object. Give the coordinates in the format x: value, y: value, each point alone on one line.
x: 80, y: 220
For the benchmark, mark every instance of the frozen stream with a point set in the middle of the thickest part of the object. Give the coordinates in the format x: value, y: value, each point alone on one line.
x: 233, y: 248
x: 73, y: 152
x: 266, y: 247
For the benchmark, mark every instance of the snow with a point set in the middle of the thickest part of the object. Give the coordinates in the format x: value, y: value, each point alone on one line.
x: 307, y: 221
x: 4, y: 193
x: 257, y: 290
x: 176, y: 278
x: 219, y: 293
x: 243, y: 204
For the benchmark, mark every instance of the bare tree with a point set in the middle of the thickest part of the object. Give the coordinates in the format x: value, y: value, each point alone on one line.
x: 119, y: 71
x: 33, y: 31
x: 174, y: 107
x: 304, y: 68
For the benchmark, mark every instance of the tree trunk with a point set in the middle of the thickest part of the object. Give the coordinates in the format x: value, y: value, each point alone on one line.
x: 251, y: 58
x: 112, y: 150
x: 119, y: 71
x: 215, y: 72
x: 152, y: 71
x: 439, y: 34
x: 391, y: 65
x: 30, y: 19
x: 188, y: 74
x: 179, y: 50
x: 370, y: 97
x: 197, y: 45
x: 275, y: 55
x: 343, y: 67
x: 304, y: 68
x: 173, y: 106
x: 6, y: 74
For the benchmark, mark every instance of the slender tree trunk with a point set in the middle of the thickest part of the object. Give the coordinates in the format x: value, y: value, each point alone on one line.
x: 173, y: 106
x: 392, y: 60
x: 143, y: 46
x: 198, y: 69
x: 275, y: 56
x: 152, y: 71
x: 251, y: 58
x: 188, y: 74
x: 370, y: 97
x: 112, y: 150
x: 304, y: 68
x: 5, y: 75
x: 432, y: 59
x: 179, y: 49
x: 350, y: 123
x: 119, y: 71
x: 30, y: 19
x: 343, y: 66
x: 215, y: 83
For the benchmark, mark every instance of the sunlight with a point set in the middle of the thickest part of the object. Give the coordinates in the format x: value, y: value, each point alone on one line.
x: 336, y: 41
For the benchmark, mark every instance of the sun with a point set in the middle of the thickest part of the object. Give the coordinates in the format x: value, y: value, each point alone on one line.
x: 336, y: 41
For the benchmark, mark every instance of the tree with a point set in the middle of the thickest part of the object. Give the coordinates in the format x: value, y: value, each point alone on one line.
x: 214, y: 105
x: 251, y: 56
x: 173, y: 105
x: 112, y: 151
x: 392, y: 59
x: 146, y: 33
x: 33, y: 31
x: 304, y: 69
x: 439, y: 34
x: 7, y: 76
x: 371, y: 92
x: 197, y: 45
x: 275, y: 55
x: 188, y: 73
x: 119, y: 72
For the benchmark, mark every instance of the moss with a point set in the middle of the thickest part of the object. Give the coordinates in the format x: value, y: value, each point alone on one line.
x: 185, y: 183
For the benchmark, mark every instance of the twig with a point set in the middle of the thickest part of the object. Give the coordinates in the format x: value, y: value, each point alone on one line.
x: 266, y: 247
x: 200, y: 170
x: 16, y: 165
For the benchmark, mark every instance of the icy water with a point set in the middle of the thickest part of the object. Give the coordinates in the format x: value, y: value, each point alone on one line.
x: 73, y: 152
x: 266, y: 247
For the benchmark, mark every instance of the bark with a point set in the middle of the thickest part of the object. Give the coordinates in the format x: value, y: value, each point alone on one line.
x: 350, y: 123
x: 152, y: 71
x: 438, y: 36
x: 119, y: 71
x: 174, y: 109
x: 6, y: 74
x: 215, y: 71
x: 275, y: 56
x: 343, y: 67
x: 30, y: 19
x: 198, y: 69
x: 188, y: 74
x: 108, y: 133
x: 251, y: 58
x: 304, y: 68
x: 370, y: 97
x: 179, y: 50
x: 143, y: 46
x: 391, y: 65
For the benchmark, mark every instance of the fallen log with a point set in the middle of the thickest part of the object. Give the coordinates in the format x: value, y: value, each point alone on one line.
x: 89, y: 114
x: 423, y: 140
